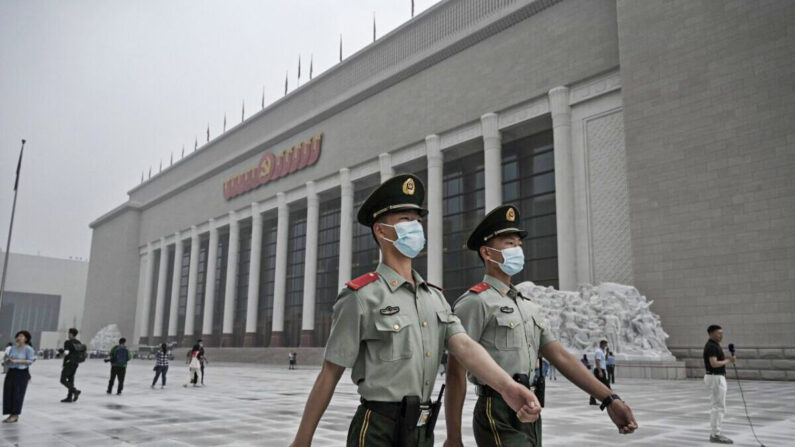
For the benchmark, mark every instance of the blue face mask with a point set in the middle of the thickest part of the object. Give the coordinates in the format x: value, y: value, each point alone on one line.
x: 512, y: 260
x: 410, y: 238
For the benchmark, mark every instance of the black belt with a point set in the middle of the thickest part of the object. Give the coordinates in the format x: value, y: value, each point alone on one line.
x: 389, y: 410
x: 715, y: 373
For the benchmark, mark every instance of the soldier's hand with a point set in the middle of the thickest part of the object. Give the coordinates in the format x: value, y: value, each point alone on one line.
x: 523, y: 401
x: 622, y: 416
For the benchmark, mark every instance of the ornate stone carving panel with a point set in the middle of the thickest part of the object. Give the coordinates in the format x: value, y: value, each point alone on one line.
x: 608, y: 199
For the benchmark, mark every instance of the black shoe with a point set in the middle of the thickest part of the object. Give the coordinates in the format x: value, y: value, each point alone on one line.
x: 67, y: 400
x: 77, y: 394
x: 109, y: 392
x: 119, y: 393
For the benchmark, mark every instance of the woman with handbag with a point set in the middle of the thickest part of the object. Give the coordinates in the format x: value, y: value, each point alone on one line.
x: 161, y: 366
x: 18, y: 360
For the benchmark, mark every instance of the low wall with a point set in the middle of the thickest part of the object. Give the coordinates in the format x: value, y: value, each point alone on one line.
x: 267, y: 356
x: 753, y: 363
x: 625, y: 369
x: 651, y: 369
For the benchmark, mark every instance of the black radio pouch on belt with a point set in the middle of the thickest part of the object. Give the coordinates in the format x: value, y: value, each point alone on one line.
x: 435, y: 408
x: 407, y: 421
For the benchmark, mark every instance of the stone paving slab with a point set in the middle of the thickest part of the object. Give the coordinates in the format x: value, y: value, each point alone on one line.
x: 254, y: 405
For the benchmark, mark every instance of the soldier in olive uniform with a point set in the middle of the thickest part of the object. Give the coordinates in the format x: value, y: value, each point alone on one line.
x: 510, y: 327
x: 391, y: 327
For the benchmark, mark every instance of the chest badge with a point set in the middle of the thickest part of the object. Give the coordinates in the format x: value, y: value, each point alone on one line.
x: 506, y: 309
x: 390, y: 310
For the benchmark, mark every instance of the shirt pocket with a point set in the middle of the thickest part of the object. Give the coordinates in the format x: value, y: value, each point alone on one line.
x: 508, y: 336
x: 533, y: 328
x: 395, y: 337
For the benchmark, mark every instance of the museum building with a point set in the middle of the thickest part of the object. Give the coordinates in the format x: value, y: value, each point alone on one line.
x: 568, y: 109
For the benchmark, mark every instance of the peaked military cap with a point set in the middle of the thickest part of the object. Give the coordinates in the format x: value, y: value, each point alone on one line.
x: 501, y: 220
x: 399, y: 193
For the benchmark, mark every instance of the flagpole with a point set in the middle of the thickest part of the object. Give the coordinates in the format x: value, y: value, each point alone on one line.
x: 11, y: 225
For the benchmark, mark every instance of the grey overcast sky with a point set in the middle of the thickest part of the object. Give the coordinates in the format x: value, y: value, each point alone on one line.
x: 104, y: 89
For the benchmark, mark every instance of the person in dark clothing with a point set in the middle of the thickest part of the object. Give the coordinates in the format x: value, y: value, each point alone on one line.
x: 611, y: 367
x: 70, y: 361
x: 119, y: 356
x: 18, y: 359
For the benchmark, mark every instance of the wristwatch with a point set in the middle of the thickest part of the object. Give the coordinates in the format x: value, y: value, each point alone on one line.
x: 608, y: 400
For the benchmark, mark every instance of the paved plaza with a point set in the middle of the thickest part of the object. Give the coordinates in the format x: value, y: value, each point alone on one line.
x: 248, y: 405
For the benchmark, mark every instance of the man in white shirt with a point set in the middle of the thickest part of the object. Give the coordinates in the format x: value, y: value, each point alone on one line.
x: 600, y: 369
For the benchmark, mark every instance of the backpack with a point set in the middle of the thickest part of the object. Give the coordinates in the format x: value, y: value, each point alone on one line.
x: 119, y: 356
x: 80, y: 353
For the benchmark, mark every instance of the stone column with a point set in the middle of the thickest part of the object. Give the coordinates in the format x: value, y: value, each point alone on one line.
x: 252, y: 305
x: 157, y: 331
x: 435, y: 210
x: 280, y: 272
x: 385, y: 166
x: 146, y: 303
x: 346, y: 228
x: 310, y: 266
x: 492, y: 160
x: 176, y: 276
x: 209, y: 286
x: 193, y: 274
x: 227, y: 339
x: 564, y: 187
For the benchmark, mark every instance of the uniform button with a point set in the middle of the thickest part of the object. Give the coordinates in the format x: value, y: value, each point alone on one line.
x: 427, y: 383
x: 512, y: 324
x: 394, y: 283
x: 424, y: 324
x: 396, y: 326
x: 428, y: 354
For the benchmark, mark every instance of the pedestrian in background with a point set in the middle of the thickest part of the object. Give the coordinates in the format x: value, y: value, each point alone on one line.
x: 611, y: 367
x: 18, y: 359
x: 193, y: 367
x: 118, y: 358
x: 715, y: 362
x: 600, y: 367
x: 74, y: 353
x: 161, y: 366
x: 553, y: 375
x: 291, y: 359
x: 585, y: 362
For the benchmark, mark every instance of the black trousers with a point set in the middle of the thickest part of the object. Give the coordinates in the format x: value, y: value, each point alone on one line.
x: 14, y: 387
x: 68, y: 377
x: 602, y: 379
x: 611, y: 373
x: 117, y: 371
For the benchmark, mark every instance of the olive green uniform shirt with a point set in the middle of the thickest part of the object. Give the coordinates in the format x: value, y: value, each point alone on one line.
x: 508, y: 325
x: 392, y: 335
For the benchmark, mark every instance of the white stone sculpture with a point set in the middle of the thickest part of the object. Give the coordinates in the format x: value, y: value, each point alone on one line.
x: 106, y: 338
x: 609, y: 311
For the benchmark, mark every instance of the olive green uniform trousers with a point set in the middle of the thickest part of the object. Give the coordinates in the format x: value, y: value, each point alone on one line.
x: 370, y: 429
x: 495, y: 425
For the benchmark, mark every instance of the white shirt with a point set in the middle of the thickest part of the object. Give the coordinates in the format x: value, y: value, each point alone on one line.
x: 599, y: 356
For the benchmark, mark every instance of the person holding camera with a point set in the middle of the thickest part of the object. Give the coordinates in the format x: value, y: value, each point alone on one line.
x: 715, y: 379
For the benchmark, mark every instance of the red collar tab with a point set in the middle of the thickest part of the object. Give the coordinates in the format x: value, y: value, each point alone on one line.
x: 479, y: 287
x: 358, y: 283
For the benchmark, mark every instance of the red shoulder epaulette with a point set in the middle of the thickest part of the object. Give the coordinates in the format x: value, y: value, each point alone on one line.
x: 434, y: 286
x: 479, y: 287
x: 358, y: 283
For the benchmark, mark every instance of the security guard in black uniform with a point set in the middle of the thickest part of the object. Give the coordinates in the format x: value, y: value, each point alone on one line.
x: 512, y: 330
x: 391, y: 327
